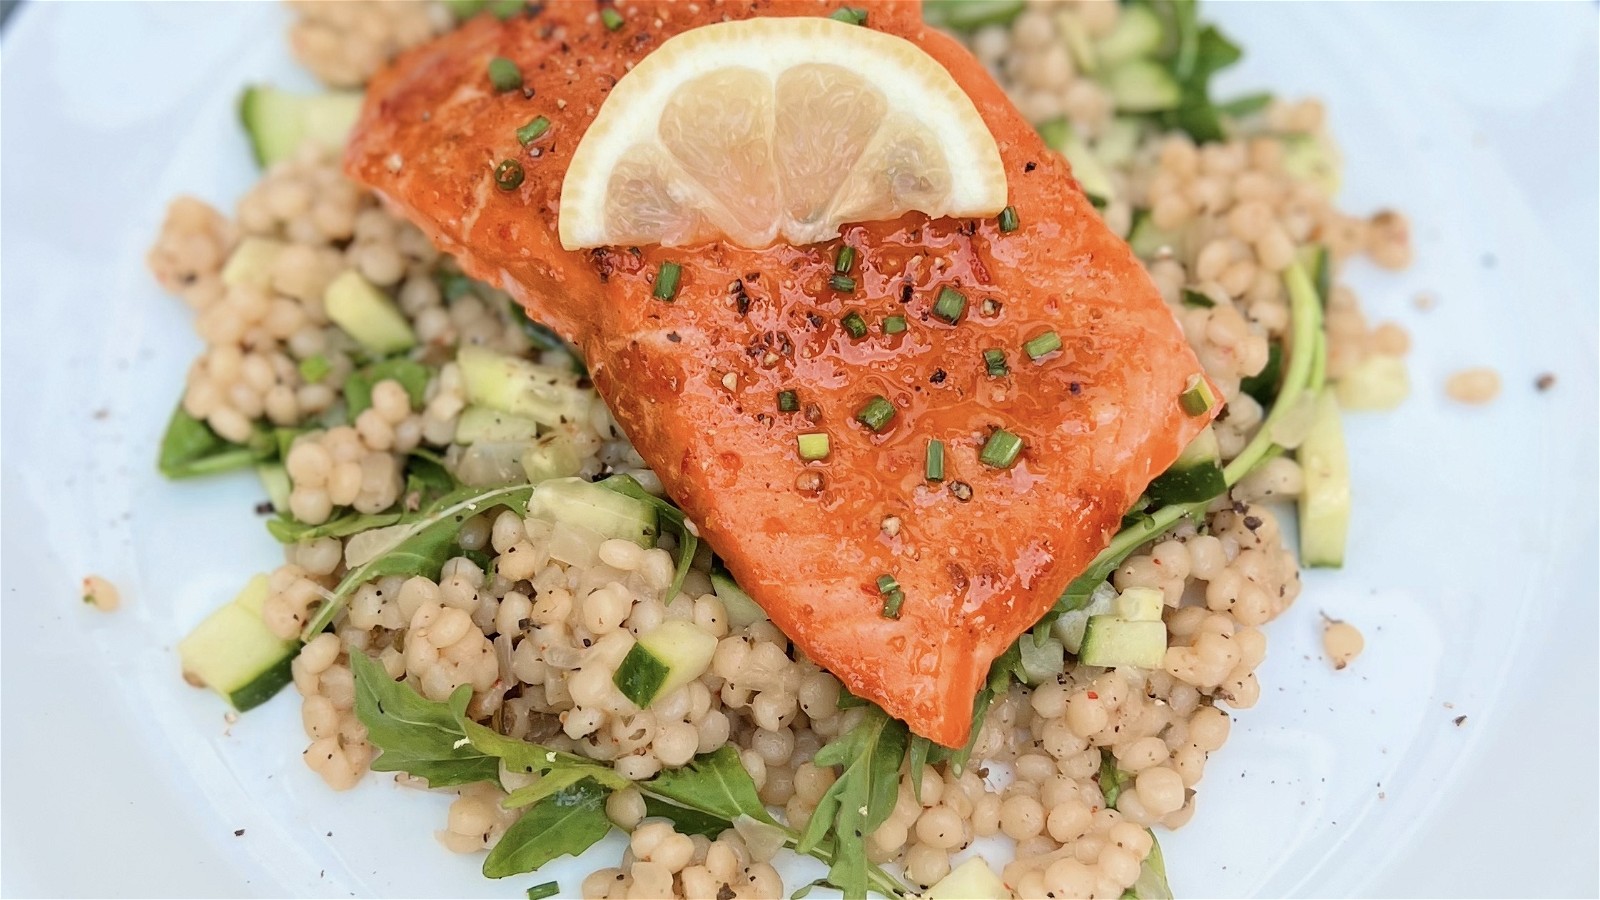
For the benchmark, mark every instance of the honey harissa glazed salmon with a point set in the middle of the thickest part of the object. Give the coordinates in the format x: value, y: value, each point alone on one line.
x: 694, y: 382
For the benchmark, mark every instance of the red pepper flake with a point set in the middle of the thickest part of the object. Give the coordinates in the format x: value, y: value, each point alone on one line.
x: 1092, y: 695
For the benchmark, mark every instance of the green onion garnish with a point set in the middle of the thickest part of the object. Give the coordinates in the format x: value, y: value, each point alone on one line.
x: 541, y: 891
x: 950, y: 305
x: 508, y: 175
x: 788, y: 401
x: 813, y: 445
x: 667, y: 281
x: 504, y: 74
x: 894, y: 324
x: 1197, y: 396
x: 934, y: 468
x: 842, y: 283
x: 876, y: 413
x: 611, y: 18
x: 844, y: 259
x: 892, y: 602
x: 887, y: 584
x: 1008, y: 220
x: 994, y: 359
x: 1001, y: 450
x: 314, y: 368
x: 532, y: 131
x: 849, y: 15
x: 1049, y: 342
x: 1192, y: 297
x: 854, y: 324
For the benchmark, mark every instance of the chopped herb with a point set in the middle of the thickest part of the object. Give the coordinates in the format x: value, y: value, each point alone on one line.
x: 508, y: 175
x: 994, y: 360
x: 842, y: 283
x: 667, y: 281
x: 1008, y: 220
x: 814, y: 445
x: 788, y: 401
x: 1049, y: 342
x: 894, y: 324
x: 892, y: 601
x: 1001, y: 450
x: 849, y: 15
x: 854, y: 324
x: 844, y: 259
x: 887, y: 584
x: 549, y: 888
x: 950, y: 305
x: 611, y: 18
x: 1197, y: 396
x: 504, y: 74
x: 876, y: 413
x: 532, y: 131
x: 314, y: 368
x: 934, y: 468
x: 1194, y: 298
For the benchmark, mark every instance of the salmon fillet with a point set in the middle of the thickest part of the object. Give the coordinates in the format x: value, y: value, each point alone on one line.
x: 694, y: 382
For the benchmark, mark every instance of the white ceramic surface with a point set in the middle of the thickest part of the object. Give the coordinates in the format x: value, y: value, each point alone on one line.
x: 1472, y: 562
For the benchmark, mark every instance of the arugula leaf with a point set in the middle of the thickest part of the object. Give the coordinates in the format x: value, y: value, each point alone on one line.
x: 1246, y: 105
x: 427, y: 477
x: 714, y: 783
x: 1152, y: 881
x: 567, y: 822
x: 1112, y: 779
x: 860, y: 800
x: 287, y: 531
x: 523, y: 756
x: 671, y: 516
x: 424, y: 545
x: 549, y: 783
x: 190, y: 448
x: 1263, y: 386
x: 417, y: 735
x: 412, y: 375
x: 686, y: 820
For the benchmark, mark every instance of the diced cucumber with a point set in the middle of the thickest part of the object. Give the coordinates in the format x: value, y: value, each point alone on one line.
x: 490, y: 464
x: 278, y: 122
x: 367, y: 314
x: 742, y: 608
x: 1114, y: 641
x: 479, y: 423
x: 552, y: 456
x: 1069, y: 628
x: 1086, y: 167
x: 1146, y: 239
x: 1041, y: 661
x: 251, y: 262
x: 275, y: 478
x: 1136, y: 35
x: 546, y: 395
x: 1325, y: 500
x: 665, y: 658
x: 597, y: 509
x: 1142, y: 86
x: 234, y: 654
x: 1377, y: 382
x: 1118, y: 142
x: 1196, y: 474
x: 1138, y: 604
x: 972, y: 880
x: 1309, y: 157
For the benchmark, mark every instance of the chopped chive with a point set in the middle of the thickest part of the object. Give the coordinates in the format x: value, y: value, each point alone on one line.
x: 813, y: 445
x: 844, y: 259
x: 1049, y: 342
x: 788, y: 401
x: 508, y: 175
x: 667, y: 281
x: 1192, y: 297
x: 934, y: 468
x: 504, y: 74
x: 541, y: 891
x: 876, y: 413
x: 894, y: 324
x: 1008, y: 220
x: 892, y: 602
x: 842, y: 283
x: 950, y: 305
x: 887, y: 584
x: 994, y: 360
x: 314, y: 368
x: 849, y: 15
x: 1197, y: 396
x: 611, y: 18
x: 854, y: 324
x: 532, y: 131
x: 1001, y: 450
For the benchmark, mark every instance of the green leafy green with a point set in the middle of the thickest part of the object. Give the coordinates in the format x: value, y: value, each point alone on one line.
x: 860, y: 800
x: 526, y: 757
x: 314, y: 368
x: 1246, y: 105
x: 1263, y: 386
x: 412, y: 375
x: 418, y: 736
x: 1194, y: 52
x: 287, y: 531
x: 1112, y: 779
x: 970, y: 15
x: 714, y: 783
x: 673, y: 519
x: 684, y: 819
x: 427, y: 478
x: 567, y: 822
x: 1152, y: 882
x: 190, y: 448
x: 549, y: 783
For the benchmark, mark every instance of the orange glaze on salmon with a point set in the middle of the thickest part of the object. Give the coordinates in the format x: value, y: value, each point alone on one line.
x: 694, y: 382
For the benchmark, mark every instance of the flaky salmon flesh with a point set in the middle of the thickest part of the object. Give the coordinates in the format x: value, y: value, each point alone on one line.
x: 981, y: 555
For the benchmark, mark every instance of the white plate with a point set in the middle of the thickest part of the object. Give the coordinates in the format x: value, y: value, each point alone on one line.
x: 1472, y: 569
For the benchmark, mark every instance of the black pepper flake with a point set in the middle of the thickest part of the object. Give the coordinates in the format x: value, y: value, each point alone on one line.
x: 813, y: 412
x: 938, y: 376
x: 1252, y: 522
x: 264, y: 508
x: 239, y: 832
x: 1545, y: 381
x: 1074, y: 389
x: 1460, y: 721
x: 906, y: 290
x: 674, y: 337
x: 814, y: 320
x: 723, y: 893
x: 735, y: 286
x: 527, y: 92
x: 1030, y: 166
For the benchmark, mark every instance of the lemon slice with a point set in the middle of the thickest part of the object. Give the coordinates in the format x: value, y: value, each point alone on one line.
x: 774, y: 129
